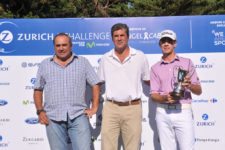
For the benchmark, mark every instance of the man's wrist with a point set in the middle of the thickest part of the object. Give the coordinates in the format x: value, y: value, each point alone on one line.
x: 190, y: 87
x: 39, y: 111
x: 164, y: 98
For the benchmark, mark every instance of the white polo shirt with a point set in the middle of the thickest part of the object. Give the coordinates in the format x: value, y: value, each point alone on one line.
x: 123, y: 80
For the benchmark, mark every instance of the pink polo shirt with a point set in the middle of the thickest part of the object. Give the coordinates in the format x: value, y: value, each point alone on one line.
x: 163, y: 75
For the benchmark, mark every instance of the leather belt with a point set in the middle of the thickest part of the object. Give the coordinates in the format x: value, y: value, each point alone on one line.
x: 175, y: 106
x: 127, y: 103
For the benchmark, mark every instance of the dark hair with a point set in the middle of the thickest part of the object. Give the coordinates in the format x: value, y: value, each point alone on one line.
x: 119, y: 26
x: 63, y: 34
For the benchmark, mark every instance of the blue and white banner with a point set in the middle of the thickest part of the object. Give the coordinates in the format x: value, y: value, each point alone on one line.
x: 92, y: 36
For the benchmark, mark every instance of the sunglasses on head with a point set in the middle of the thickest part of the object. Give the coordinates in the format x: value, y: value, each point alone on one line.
x: 166, y: 39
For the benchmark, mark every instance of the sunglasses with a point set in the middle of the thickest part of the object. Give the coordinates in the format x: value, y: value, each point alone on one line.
x: 166, y: 39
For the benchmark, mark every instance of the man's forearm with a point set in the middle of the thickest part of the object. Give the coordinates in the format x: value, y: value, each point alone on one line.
x: 38, y: 99
x: 196, y: 89
x: 95, y: 96
x: 159, y: 98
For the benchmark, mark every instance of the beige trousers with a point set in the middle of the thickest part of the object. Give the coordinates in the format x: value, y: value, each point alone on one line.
x: 126, y: 120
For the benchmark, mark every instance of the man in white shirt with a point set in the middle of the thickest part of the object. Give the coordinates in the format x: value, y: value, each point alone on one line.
x: 122, y: 70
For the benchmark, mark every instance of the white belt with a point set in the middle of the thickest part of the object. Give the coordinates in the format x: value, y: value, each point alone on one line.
x: 174, y: 106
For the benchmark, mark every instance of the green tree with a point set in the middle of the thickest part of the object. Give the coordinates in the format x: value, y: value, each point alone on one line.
x: 107, y: 8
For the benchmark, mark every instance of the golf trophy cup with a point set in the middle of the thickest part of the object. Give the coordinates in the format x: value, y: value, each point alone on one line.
x: 178, y: 90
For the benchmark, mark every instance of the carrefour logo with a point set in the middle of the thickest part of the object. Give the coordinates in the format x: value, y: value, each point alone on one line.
x: 211, y: 100
x: 31, y: 121
x: 3, y: 102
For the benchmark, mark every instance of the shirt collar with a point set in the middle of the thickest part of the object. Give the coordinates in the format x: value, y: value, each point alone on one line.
x: 177, y: 58
x: 132, y: 52
x: 73, y: 55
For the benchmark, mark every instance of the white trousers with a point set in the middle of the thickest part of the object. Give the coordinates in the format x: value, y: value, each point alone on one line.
x: 175, y: 128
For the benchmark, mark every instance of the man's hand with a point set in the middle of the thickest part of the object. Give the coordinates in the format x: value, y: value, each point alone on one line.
x: 90, y: 112
x: 170, y: 99
x: 187, y: 82
x: 43, y: 119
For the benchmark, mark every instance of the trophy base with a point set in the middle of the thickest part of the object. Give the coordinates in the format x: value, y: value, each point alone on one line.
x: 176, y: 96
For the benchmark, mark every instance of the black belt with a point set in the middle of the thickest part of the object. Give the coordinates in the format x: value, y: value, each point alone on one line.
x: 127, y: 103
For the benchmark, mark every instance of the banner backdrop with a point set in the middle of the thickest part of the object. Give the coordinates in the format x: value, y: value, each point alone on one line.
x: 24, y: 43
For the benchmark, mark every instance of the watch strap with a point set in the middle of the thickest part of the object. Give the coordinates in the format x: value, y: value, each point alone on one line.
x: 39, y: 111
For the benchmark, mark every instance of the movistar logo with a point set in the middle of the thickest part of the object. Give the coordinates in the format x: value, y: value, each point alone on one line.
x: 27, y: 102
x: 90, y: 44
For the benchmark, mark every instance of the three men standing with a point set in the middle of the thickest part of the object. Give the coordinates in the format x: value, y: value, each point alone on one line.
x: 63, y: 77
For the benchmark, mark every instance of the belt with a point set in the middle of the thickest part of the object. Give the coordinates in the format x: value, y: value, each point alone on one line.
x: 127, y: 103
x: 175, y: 106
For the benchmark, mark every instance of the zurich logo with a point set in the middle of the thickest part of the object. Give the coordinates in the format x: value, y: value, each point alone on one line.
x: 3, y: 102
x: 8, y: 22
x: 31, y: 121
x: 203, y: 59
x: 6, y: 36
x: 1, y: 62
x: 205, y: 116
x: 32, y: 80
x: 1, y: 138
x: 2, y: 50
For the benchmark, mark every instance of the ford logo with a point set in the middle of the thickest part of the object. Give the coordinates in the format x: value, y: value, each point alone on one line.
x: 31, y: 121
x: 3, y: 102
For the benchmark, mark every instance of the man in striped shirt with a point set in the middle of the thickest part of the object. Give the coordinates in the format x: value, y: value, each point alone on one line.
x: 59, y: 96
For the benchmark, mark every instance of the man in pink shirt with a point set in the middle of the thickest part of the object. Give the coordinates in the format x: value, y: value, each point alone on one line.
x: 174, y: 116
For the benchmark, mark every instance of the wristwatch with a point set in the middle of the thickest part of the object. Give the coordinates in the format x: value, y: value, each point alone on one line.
x: 40, y: 110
